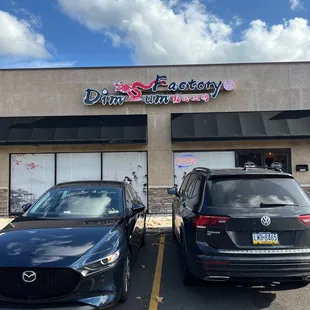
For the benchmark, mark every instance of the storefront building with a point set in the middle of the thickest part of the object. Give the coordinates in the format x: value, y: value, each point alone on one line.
x: 148, y: 126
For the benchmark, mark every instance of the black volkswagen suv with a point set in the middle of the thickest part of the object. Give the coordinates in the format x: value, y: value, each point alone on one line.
x: 245, y: 224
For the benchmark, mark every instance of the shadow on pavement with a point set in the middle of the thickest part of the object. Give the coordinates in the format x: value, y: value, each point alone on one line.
x: 212, y: 295
x: 222, y: 296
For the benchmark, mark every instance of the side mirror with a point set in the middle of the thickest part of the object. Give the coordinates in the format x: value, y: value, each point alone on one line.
x: 172, y: 191
x: 137, y: 208
x: 26, y: 206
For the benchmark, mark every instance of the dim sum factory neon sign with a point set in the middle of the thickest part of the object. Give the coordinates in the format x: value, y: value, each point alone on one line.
x: 173, y: 92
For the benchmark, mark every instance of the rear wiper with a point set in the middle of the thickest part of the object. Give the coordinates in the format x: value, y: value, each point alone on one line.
x: 271, y: 205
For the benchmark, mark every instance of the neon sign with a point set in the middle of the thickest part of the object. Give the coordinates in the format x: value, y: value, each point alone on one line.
x: 185, y: 161
x: 133, y: 92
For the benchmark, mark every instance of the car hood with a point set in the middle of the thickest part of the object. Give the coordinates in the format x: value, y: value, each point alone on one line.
x: 40, y: 242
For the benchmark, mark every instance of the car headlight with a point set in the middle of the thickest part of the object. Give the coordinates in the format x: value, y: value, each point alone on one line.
x: 100, y: 264
x: 110, y: 259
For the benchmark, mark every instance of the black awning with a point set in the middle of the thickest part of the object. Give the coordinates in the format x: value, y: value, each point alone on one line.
x: 88, y: 129
x: 223, y: 126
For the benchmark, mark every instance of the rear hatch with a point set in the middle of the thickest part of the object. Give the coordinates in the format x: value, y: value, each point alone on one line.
x: 260, y: 212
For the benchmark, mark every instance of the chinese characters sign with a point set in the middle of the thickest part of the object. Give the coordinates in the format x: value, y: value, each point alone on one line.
x: 133, y: 92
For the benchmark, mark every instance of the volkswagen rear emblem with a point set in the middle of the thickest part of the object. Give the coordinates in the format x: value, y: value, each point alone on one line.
x: 265, y: 220
x: 29, y: 276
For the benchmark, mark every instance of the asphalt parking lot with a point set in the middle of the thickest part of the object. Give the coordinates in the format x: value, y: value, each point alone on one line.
x: 167, y: 291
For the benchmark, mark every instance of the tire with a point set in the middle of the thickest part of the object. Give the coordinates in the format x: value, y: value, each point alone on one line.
x: 143, y: 239
x: 188, y: 278
x: 173, y: 230
x: 126, y: 278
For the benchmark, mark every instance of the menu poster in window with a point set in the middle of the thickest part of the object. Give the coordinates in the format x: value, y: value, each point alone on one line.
x: 186, y: 161
x: 31, y: 176
x: 130, y: 167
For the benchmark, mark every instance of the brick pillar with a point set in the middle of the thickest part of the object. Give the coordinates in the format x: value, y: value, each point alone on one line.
x: 4, y: 198
x: 159, y: 200
x: 160, y: 170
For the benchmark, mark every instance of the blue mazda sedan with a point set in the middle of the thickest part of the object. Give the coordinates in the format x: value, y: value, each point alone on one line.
x: 72, y: 248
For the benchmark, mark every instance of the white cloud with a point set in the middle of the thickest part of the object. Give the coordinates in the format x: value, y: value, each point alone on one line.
x: 34, y: 20
x: 296, y: 4
x: 237, y: 21
x: 19, y: 38
x: 115, y: 38
x: 176, y: 31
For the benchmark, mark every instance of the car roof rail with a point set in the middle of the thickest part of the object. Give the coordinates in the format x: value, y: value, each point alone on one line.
x: 204, y: 169
x: 276, y: 166
x: 249, y: 164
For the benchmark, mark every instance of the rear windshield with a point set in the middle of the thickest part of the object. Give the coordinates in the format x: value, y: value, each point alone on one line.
x: 254, y: 192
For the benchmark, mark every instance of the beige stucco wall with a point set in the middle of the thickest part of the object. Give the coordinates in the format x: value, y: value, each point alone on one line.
x: 60, y: 92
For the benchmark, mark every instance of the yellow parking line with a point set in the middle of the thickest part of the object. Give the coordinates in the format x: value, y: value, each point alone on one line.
x: 157, y: 278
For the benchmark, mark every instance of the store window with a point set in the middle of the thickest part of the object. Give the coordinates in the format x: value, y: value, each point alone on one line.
x: 278, y: 156
x: 130, y: 167
x: 31, y: 176
x: 184, y: 162
x: 264, y: 158
x: 78, y: 166
x: 244, y: 157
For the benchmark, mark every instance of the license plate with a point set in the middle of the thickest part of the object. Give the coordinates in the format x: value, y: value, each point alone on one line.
x: 265, y: 238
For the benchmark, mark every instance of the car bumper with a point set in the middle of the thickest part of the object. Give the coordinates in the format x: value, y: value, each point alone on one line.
x: 98, y: 291
x: 97, y: 302
x: 45, y: 307
x: 251, y: 269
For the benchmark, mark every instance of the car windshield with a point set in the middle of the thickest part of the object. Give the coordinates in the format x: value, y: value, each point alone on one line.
x: 255, y: 192
x: 79, y: 202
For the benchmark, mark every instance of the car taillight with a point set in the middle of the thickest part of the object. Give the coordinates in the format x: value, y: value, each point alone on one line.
x: 305, y: 219
x: 203, y: 221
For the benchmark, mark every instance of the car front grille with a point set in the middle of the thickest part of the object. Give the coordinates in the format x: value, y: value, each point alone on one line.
x: 49, y: 283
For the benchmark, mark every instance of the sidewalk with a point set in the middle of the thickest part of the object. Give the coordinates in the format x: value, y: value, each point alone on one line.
x: 4, y: 221
x: 155, y: 222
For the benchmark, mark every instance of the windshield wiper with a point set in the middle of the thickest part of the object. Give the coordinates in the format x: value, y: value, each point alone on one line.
x: 271, y: 205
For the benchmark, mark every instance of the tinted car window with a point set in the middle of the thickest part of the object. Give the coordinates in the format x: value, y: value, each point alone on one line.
x: 129, y: 198
x: 134, y: 194
x: 130, y: 192
x: 190, y: 185
x: 196, y: 193
x: 184, y: 183
x: 79, y: 202
x: 197, y: 188
x: 254, y: 192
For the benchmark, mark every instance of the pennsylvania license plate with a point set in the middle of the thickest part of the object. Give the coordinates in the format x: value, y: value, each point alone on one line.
x: 265, y: 238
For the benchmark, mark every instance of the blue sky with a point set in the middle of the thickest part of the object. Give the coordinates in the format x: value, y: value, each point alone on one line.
x: 131, y: 32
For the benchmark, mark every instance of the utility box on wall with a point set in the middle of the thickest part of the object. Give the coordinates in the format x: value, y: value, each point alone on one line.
x: 302, y: 168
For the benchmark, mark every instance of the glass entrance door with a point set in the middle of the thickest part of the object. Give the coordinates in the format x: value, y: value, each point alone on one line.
x: 277, y: 156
